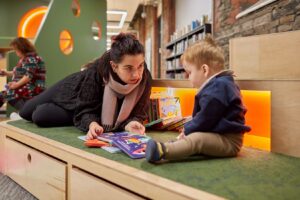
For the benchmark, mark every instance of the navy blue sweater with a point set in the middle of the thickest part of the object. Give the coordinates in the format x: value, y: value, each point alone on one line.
x: 218, y: 108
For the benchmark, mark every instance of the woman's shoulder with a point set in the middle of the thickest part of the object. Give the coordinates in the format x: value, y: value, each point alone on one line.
x: 32, y: 58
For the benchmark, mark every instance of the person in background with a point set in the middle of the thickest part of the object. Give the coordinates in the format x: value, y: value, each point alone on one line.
x: 218, y: 123
x: 28, y: 76
x: 111, y: 94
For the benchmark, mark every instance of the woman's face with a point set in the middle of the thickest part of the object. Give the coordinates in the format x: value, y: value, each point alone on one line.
x: 130, y: 69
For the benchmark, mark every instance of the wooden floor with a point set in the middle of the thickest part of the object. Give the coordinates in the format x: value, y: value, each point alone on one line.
x: 9, y: 190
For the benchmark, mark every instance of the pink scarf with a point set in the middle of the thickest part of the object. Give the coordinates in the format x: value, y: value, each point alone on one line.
x: 110, y: 119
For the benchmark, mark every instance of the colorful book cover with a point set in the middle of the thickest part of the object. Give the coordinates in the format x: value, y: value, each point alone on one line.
x: 133, y: 145
x: 169, y: 107
x: 109, y: 136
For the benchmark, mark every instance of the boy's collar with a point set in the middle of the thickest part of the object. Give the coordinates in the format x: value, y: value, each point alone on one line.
x: 226, y: 72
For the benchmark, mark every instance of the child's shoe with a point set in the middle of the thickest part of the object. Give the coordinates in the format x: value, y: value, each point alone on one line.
x: 155, y: 151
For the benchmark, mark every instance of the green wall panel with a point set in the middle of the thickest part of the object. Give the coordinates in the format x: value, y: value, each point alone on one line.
x: 59, y: 18
x: 11, y: 11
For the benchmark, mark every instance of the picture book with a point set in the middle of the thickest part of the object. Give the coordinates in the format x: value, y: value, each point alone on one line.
x: 82, y: 137
x: 109, y: 136
x: 153, y: 123
x: 163, y: 107
x: 111, y: 149
x: 133, y: 145
x: 179, y: 124
x: 170, y: 124
x: 169, y: 107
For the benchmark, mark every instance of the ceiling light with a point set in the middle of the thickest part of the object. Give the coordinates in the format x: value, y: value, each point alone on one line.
x: 112, y: 33
x: 122, y: 20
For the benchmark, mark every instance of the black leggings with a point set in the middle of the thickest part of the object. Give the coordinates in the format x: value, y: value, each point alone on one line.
x: 43, y: 112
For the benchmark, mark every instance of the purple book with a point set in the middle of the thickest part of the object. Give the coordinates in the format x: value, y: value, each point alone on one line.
x: 109, y: 136
x: 133, y: 145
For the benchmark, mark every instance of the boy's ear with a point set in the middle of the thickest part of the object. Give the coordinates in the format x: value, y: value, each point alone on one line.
x: 205, y: 69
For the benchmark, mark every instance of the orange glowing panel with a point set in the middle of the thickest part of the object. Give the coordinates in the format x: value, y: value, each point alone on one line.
x: 258, y: 116
x: 30, y: 22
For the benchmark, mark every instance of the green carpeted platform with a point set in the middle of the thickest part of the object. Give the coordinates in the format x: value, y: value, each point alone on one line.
x: 254, y: 174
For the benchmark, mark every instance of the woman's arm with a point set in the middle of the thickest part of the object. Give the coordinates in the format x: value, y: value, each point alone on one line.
x: 6, y: 73
x: 15, y: 85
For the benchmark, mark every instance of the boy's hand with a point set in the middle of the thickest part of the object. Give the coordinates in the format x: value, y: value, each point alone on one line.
x: 12, y: 85
x: 181, y: 135
x: 135, y: 127
x: 94, y: 130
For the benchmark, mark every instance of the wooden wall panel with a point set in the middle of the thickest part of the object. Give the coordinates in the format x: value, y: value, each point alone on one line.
x: 285, y: 110
x: 271, y: 56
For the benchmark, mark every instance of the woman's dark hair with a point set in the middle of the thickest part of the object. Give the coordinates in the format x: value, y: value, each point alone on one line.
x: 23, y: 45
x: 122, y: 44
x: 125, y: 44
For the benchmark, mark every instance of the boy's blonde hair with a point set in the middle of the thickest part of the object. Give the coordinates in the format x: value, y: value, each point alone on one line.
x: 205, y: 52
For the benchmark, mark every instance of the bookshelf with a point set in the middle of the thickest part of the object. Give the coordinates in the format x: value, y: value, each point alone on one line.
x: 176, y: 48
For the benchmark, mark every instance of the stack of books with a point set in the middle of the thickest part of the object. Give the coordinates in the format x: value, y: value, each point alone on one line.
x: 165, y: 114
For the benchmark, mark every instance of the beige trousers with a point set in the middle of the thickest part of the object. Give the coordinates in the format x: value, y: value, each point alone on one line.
x: 205, y: 143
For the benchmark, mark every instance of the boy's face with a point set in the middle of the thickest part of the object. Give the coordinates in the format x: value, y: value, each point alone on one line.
x: 197, y: 75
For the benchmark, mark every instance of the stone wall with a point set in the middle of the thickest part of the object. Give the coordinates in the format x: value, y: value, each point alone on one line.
x: 279, y: 16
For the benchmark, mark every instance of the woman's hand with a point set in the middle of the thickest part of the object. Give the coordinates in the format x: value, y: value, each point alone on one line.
x: 135, y: 127
x: 94, y: 130
x: 13, y: 85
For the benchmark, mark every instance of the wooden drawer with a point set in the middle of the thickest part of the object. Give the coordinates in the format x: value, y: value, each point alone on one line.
x: 86, y: 186
x: 40, y: 174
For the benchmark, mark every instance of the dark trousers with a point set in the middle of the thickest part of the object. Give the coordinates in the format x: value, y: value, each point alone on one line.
x: 44, y: 112
x: 17, y: 104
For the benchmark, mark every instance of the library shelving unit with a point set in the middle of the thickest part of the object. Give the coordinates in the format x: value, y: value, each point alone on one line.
x: 177, y: 46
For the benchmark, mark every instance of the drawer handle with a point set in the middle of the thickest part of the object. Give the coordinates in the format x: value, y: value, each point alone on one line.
x: 29, y: 157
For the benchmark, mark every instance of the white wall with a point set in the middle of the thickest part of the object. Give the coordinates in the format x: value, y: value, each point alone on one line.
x: 189, y: 10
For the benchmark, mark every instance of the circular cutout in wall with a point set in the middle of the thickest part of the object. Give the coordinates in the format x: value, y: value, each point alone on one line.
x: 66, y: 42
x: 96, y: 30
x: 31, y: 21
x: 75, y: 6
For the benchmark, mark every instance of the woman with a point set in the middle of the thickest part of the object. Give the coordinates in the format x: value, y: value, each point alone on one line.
x: 28, y: 76
x: 111, y: 94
